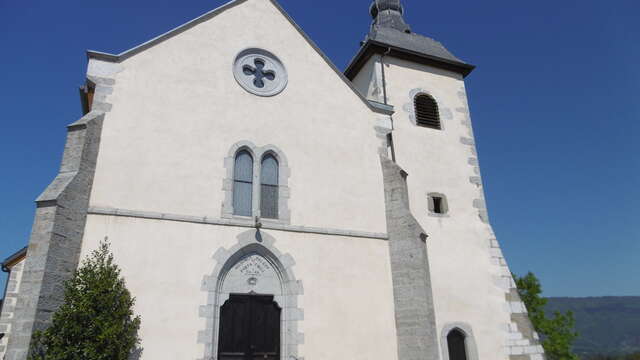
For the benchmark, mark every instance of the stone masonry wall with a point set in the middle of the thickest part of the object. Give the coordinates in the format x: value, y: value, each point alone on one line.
x: 56, y: 237
x: 8, y: 307
x: 413, y: 298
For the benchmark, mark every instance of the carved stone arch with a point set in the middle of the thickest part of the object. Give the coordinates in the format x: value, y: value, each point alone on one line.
x: 253, y: 246
x: 258, y: 152
x: 469, y: 340
x: 242, y: 145
x: 276, y: 151
x: 444, y: 109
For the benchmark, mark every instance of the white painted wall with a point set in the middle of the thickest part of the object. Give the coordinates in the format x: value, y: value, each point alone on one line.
x: 347, y: 300
x: 177, y: 110
x: 462, y: 275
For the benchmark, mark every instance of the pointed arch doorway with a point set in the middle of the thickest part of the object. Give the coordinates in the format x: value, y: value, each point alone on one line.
x: 249, y: 328
x: 253, y: 274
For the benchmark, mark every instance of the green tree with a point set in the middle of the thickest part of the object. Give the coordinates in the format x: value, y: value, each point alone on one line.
x: 96, y: 320
x: 557, y: 333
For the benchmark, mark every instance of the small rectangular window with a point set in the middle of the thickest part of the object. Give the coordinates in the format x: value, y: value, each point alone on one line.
x: 437, y: 205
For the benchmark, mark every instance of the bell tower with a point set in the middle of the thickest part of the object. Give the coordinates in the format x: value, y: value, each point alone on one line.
x: 462, y: 292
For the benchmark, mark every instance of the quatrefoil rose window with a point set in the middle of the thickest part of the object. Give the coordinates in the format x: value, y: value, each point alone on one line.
x: 260, y: 72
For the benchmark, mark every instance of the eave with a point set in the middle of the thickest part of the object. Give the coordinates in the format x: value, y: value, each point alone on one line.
x: 9, y: 262
x: 372, y: 47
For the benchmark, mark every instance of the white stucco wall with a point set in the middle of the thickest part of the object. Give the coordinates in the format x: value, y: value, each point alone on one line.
x: 437, y: 161
x: 347, y: 300
x: 369, y: 82
x: 177, y: 111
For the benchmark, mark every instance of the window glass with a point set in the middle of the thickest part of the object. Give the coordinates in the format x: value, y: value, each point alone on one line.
x: 243, y: 184
x: 269, y: 187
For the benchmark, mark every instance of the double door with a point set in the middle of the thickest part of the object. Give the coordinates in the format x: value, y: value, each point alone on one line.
x: 249, y: 328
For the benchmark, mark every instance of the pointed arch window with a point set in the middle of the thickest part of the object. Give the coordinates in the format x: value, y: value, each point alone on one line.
x: 256, y: 184
x: 269, y: 187
x: 243, y: 184
x: 426, y: 111
x: 456, y: 342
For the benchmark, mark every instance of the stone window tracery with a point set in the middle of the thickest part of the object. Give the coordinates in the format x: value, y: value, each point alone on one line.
x: 257, y: 184
x: 260, y: 72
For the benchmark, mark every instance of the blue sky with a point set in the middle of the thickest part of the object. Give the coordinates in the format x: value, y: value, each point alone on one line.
x: 554, y: 103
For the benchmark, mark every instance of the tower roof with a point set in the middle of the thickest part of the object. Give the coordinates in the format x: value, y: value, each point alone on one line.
x: 390, y: 34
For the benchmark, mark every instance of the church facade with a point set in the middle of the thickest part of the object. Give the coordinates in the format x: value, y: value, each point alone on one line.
x: 259, y: 215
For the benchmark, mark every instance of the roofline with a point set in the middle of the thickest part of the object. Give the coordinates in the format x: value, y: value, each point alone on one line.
x: 11, y: 260
x: 92, y: 54
x: 371, y: 47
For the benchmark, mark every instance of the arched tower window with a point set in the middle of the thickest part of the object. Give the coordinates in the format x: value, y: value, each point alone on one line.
x: 456, y: 344
x: 426, y: 110
x: 243, y: 184
x: 269, y: 187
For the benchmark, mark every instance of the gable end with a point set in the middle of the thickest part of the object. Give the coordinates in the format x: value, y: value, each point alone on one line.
x: 92, y: 54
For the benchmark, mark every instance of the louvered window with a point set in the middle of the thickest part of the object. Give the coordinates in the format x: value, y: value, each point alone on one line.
x: 427, y: 114
x: 243, y: 184
x: 269, y: 187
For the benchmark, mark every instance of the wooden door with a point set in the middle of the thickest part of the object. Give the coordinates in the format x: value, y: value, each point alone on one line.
x: 249, y: 328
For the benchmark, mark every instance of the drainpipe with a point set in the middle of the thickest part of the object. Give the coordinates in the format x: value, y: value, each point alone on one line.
x: 384, y: 94
x: 384, y: 77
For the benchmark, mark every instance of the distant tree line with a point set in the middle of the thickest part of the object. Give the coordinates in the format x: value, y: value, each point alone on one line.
x: 634, y: 356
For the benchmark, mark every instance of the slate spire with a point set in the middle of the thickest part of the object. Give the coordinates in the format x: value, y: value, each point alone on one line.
x: 388, y: 14
x: 390, y: 35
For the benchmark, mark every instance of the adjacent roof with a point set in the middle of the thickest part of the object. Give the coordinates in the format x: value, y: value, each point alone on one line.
x: 391, y: 35
x: 13, y: 259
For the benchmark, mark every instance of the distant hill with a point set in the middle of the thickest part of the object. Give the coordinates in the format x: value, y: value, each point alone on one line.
x: 607, y: 325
